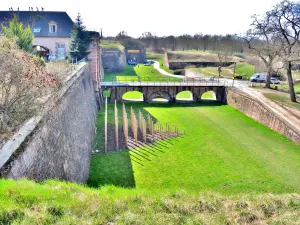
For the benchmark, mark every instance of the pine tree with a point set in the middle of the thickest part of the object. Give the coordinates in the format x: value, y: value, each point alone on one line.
x: 23, y: 35
x: 80, y: 40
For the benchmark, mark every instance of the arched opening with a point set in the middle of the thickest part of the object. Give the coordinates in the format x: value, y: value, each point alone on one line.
x: 160, y: 97
x: 209, y: 96
x: 184, y: 96
x: 41, y: 51
x: 133, y: 96
x: 160, y: 100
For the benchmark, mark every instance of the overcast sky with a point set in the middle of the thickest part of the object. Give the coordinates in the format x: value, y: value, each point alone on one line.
x: 157, y: 16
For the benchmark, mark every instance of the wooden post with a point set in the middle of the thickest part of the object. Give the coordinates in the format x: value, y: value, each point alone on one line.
x: 116, y: 126
x: 144, y: 125
x: 125, y: 125
x: 149, y: 121
x: 135, y: 128
x: 140, y: 121
x: 105, y: 126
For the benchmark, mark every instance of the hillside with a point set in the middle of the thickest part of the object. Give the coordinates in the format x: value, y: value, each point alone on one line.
x: 54, y: 202
x: 198, y: 56
x: 111, y: 45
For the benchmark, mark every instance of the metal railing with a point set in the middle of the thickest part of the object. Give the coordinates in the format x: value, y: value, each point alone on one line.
x: 162, y: 81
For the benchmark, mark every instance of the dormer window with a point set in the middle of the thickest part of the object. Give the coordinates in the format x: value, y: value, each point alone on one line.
x: 52, y: 27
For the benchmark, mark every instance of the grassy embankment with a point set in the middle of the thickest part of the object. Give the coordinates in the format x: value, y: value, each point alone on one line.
x: 221, y: 172
x: 283, y: 99
x: 241, y: 69
x: 111, y: 45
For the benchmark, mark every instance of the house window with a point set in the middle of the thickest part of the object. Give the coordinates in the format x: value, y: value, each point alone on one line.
x: 36, y: 30
x: 52, y: 27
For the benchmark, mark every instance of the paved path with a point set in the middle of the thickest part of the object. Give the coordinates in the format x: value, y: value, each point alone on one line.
x: 163, y: 72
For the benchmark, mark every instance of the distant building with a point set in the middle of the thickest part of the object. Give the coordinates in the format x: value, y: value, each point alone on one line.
x: 52, y: 34
x: 135, y: 53
x: 51, y: 30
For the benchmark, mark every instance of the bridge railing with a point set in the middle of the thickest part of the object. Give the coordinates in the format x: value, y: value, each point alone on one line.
x: 162, y: 81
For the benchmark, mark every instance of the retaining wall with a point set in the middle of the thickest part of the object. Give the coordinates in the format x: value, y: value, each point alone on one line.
x: 113, y: 61
x: 59, y: 143
x: 262, y: 114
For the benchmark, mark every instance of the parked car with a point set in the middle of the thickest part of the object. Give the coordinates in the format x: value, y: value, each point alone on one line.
x: 259, y: 78
x: 147, y: 63
x: 132, y: 63
x: 262, y: 78
x: 275, y: 80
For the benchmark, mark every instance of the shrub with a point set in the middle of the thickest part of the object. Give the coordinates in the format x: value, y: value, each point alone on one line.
x: 23, y: 85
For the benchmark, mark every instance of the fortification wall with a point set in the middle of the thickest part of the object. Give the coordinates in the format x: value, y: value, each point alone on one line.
x: 113, y: 61
x: 57, y: 144
x: 262, y: 114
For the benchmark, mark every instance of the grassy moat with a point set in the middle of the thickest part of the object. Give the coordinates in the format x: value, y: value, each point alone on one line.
x: 226, y: 169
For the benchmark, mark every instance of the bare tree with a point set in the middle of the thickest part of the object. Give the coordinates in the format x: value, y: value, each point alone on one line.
x: 285, y: 21
x: 262, y: 43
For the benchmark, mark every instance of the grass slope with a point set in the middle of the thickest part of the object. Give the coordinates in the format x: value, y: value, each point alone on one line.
x: 283, y: 99
x: 198, y: 56
x: 54, y: 202
x: 109, y: 45
x: 131, y: 73
x: 241, y: 69
x: 223, y: 151
x: 215, y: 174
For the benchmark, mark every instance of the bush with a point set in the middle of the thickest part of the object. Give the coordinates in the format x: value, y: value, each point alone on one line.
x: 23, y: 84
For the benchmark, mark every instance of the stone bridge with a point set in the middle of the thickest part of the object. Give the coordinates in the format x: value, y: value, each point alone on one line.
x: 166, y: 91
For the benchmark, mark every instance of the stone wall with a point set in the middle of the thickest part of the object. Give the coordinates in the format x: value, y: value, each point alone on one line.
x: 262, y: 114
x: 113, y: 61
x: 59, y: 146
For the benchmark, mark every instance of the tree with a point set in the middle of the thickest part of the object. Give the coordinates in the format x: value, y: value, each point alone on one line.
x: 80, y: 40
x: 285, y: 21
x: 262, y: 43
x: 23, y: 35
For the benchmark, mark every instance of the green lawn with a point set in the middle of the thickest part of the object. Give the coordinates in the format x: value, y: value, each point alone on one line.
x: 133, y: 95
x: 132, y: 73
x: 283, y: 99
x: 55, y: 202
x: 184, y: 94
x: 227, y: 169
x: 241, y: 69
x: 223, y: 151
x: 110, y: 45
x: 286, y: 88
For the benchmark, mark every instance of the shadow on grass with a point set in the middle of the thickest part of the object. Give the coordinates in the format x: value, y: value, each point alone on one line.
x: 115, y: 168
x: 111, y: 169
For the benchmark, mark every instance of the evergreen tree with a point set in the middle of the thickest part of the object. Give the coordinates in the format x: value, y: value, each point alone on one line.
x: 80, y: 40
x: 23, y: 35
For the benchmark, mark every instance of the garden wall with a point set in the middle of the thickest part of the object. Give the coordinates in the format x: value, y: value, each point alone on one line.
x: 113, y: 61
x: 262, y: 114
x: 58, y: 144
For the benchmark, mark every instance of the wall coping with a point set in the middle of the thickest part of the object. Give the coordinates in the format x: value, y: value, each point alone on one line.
x: 11, y: 146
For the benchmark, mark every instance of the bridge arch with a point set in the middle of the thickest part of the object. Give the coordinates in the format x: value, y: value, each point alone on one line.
x: 158, y: 96
x: 133, y: 96
x: 185, y: 96
x: 208, y: 96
